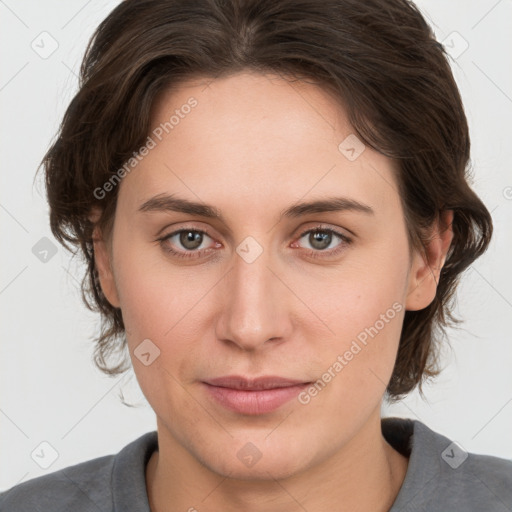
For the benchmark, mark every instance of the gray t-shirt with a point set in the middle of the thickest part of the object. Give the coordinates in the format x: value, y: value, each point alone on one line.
x: 441, y: 477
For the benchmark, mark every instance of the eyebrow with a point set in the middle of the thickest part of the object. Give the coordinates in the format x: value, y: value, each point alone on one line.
x: 166, y: 202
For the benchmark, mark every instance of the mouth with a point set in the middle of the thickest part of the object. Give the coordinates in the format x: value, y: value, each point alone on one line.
x: 253, y: 396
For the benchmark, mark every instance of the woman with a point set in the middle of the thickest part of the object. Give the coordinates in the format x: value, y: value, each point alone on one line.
x: 273, y: 203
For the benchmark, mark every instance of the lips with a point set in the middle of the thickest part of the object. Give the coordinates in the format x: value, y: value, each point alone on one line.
x: 253, y: 396
x: 254, y: 384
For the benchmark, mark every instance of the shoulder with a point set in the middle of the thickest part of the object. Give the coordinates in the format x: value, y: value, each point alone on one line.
x: 108, y: 483
x: 81, y: 487
x: 480, y: 482
x: 442, y: 475
x: 483, y: 482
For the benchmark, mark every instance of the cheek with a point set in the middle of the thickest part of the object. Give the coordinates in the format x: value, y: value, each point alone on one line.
x: 354, y: 296
x: 161, y: 304
x: 363, y: 308
x: 156, y: 306
x: 152, y: 298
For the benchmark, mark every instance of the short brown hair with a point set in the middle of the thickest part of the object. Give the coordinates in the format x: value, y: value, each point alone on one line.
x: 378, y: 57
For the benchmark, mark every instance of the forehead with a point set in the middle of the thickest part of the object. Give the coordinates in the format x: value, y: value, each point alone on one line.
x: 249, y: 138
x: 249, y: 104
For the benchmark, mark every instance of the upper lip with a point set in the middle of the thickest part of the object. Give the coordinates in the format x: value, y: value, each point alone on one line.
x: 253, y: 384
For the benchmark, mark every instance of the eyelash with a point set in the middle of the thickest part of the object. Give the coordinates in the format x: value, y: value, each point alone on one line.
x: 345, y: 241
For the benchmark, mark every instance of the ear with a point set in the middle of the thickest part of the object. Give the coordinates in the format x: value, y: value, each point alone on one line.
x: 102, y: 259
x: 426, y: 268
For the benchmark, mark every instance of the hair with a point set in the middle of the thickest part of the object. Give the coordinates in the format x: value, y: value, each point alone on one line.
x: 379, y: 58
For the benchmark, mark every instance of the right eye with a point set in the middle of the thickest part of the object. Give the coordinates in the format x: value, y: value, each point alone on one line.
x: 189, y: 238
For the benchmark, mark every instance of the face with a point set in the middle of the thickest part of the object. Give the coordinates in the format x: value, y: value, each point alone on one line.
x: 313, y: 295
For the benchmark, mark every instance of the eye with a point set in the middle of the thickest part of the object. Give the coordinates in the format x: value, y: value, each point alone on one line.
x: 189, y: 239
x: 320, y: 238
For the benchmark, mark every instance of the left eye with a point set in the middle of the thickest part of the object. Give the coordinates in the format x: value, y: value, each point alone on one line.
x: 321, y: 238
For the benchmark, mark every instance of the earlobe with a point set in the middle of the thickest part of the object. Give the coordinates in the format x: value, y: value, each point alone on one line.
x: 426, y: 268
x: 102, y: 259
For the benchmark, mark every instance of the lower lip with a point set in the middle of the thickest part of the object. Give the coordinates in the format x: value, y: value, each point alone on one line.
x: 254, y: 402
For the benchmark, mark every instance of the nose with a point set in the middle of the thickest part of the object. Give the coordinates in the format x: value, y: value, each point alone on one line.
x: 253, y: 303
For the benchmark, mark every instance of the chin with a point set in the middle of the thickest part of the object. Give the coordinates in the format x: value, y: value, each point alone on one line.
x: 263, y: 470
x: 246, y: 460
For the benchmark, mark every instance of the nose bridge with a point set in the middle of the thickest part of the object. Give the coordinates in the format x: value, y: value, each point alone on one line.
x: 252, y: 309
x: 251, y: 273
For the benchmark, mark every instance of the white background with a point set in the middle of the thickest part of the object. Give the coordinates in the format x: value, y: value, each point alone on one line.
x: 50, y: 389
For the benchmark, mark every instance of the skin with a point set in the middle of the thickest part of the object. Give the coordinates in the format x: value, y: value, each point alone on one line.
x: 254, y: 145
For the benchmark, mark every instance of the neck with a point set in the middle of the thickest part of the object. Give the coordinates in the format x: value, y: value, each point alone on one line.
x: 365, y: 474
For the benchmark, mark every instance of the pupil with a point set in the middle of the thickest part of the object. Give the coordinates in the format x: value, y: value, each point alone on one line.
x: 323, y: 238
x: 190, y: 239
